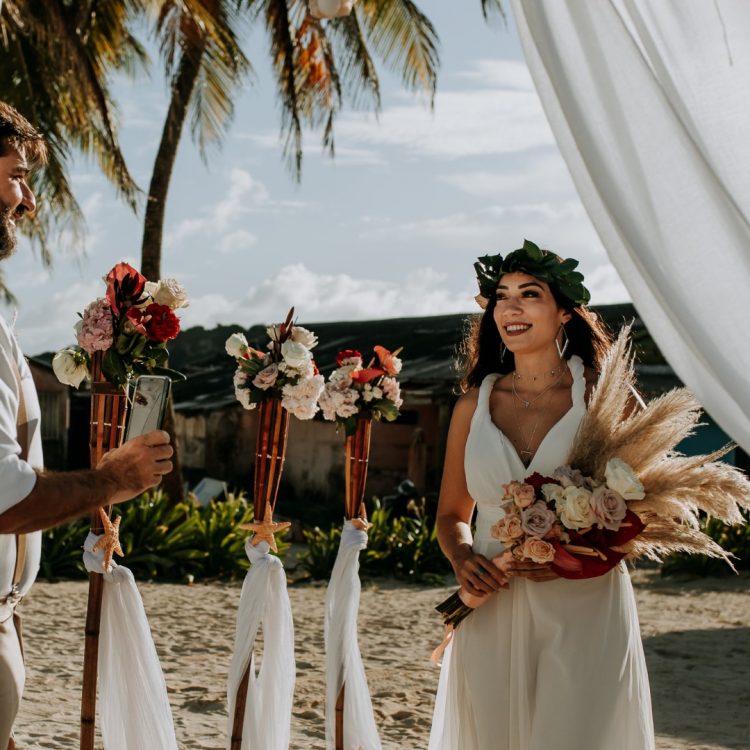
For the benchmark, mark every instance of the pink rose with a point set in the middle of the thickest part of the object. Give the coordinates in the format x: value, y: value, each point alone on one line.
x: 523, y: 494
x: 266, y: 377
x: 507, y: 529
x: 537, y: 519
x: 608, y: 507
x: 538, y: 551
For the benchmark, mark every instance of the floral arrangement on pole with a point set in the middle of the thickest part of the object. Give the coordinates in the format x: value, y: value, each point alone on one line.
x: 355, y: 392
x: 130, y: 325
x: 287, y: 370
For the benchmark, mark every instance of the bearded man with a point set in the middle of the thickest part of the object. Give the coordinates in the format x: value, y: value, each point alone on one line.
x: 32, y: 499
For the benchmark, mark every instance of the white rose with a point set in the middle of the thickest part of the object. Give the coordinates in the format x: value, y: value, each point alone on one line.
x: 575, y: 508
x: 168, y: 292
x: 303, y: 336
x: 621, y: 479
x: 552, y: 493
x: 70, y: 367
x: 242, y: 393
x: 296, y: 355
x: 236, y: 345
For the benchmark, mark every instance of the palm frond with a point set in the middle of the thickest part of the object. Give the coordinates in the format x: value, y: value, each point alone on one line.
x: 493, y: 10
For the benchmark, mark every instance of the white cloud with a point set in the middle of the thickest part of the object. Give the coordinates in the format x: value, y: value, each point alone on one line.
x: 238, y: 240
x: 606, y: 286
x: 509, y: 75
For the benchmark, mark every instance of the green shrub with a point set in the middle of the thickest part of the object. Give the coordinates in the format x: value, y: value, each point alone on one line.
x: 734, y: 539
x: 404, y: 547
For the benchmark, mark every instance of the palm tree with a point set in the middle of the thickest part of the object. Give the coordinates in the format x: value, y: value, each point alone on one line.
x: 55, y: 59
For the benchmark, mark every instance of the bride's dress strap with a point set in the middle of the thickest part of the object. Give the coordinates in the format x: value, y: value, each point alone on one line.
x: 578, y: 391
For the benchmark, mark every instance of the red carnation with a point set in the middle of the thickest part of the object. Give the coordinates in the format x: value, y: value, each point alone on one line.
x: 162, y: 324
x: 347, y: 354
x: 124, y: 286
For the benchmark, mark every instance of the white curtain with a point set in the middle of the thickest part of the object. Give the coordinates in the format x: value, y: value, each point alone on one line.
x: 133, y: 701
x: 650, y: 105
x: 343, y: 658
x: 264, y: 606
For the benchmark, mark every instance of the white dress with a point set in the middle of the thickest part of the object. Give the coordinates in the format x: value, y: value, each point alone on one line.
x: 557, y: 665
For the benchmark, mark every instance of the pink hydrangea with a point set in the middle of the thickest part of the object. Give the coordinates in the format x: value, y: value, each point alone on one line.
x: 96, y: 333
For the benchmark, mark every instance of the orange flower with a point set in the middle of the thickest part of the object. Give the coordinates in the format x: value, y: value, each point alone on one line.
x: 388, y: 360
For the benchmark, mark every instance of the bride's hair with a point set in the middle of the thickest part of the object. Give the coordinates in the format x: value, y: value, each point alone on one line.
x: 479, y: 353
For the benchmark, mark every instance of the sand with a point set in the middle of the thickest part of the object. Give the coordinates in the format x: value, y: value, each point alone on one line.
x: 696, y: 636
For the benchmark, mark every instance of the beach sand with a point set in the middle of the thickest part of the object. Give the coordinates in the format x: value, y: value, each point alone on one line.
x: 696, y: 636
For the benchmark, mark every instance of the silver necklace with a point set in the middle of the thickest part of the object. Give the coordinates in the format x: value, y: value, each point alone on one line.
x: 554, y: 371
x: 527, y: 403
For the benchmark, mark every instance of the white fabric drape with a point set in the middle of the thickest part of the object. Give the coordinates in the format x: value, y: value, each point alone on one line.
x: 264, y: 603
x: 133, y: 703
x: 343, y: 657
x: 648, y: 102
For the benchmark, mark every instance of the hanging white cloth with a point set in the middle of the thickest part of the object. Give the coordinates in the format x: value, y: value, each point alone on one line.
x: 343, y: 658
x: 648, y: 103
x: 264, y: 603
x: 133, y: 703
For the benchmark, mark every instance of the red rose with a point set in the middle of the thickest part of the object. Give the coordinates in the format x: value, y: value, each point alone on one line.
x: 161, y: 324
x: 124, y: 286
x: 347, y: 354
x: 536, y: 480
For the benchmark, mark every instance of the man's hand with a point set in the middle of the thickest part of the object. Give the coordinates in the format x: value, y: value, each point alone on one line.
x: 137, y: 465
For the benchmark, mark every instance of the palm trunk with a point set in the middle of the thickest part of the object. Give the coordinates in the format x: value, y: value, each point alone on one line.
x: 153, y: 225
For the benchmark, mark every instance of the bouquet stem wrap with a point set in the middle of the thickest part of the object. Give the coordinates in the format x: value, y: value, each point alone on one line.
x: 260, y: 706
x: 350, y: 724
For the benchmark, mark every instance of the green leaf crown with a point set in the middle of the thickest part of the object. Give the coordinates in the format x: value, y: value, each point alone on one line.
x: 532, y: 260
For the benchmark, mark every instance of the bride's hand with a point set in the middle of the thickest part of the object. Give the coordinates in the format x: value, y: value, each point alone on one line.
x: 537, y: 572
x: 478, y: 575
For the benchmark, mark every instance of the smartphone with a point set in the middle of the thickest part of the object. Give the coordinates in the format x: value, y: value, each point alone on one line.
x: 148, y: 405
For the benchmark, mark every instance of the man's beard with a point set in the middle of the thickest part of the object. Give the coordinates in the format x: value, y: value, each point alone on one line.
x: 7, y: 233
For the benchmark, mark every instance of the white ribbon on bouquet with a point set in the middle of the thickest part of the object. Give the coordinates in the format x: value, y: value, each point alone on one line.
x: 264, y: 602
x: 133, y: 703
x: 343, y: 657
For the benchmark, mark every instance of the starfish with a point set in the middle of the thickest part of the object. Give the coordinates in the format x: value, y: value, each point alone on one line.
x: 265, y: 530
x: 110, y: 540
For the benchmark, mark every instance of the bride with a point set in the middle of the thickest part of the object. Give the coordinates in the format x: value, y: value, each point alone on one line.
x: 546, y: 663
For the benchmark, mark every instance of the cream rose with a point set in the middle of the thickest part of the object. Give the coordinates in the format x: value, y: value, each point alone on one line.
x: 537, y: 519
x: 236, y: 345
x: 70, y: 367
x: 168, y: 292
x: 507, y: 529
x: 621, y: 479
x: 553, y: 493
x: 296, y: 355
x: 266, y: 377
x: 302, y: 336
x: 608, y: 507
x: 575, y: 508
x: 538, y: 551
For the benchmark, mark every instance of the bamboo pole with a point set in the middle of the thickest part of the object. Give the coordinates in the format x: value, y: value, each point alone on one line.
x: 107, y: 429
x: 356, y: 461
x: 270, y: 451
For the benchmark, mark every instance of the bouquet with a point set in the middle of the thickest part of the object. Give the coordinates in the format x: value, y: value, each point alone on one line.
x: 286, y: 370
x: 356, y: 392
x: 131, y: 325
x: 569, y: 521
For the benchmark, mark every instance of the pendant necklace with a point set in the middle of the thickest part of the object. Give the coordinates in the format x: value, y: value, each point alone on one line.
x: 527, y: 403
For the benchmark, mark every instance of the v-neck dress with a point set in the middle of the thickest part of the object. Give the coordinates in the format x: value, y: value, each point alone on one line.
x: 555, y: 665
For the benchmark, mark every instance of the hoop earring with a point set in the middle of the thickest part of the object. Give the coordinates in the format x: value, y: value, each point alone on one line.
x: 562, y: 351
x: 502, y: 352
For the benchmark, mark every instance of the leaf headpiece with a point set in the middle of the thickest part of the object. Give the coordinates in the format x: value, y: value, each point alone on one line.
x: 541, y: 264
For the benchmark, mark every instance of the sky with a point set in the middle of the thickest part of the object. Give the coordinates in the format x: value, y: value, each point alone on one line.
x: 389, y: 228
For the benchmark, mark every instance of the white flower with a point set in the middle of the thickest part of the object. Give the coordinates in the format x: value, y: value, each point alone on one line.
x: 620, y: 477
x: 266, y: 377
x: 236, y: 345
x: 343, y: 374
x: 241, y: 392
x: 338, y: 400
x: 553, y: 492
x: 296, y: 355
x: 392, y: 391
x: 70, y: 367
x: 301, y: 399
x: 273, y: 333
x: 575, y: 508
x: 367, y: 394
x: 377, y: 392
x: 168, y: 292
x: 302, y: 336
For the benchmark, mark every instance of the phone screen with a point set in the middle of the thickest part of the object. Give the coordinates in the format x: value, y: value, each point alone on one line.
x: 149, y: 403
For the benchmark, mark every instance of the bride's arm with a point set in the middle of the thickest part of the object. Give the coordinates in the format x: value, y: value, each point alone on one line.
x: 455, y: 506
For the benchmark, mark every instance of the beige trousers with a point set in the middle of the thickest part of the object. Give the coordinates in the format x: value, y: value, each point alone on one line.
x: 12, y: 677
